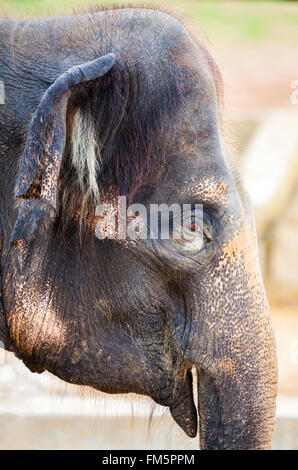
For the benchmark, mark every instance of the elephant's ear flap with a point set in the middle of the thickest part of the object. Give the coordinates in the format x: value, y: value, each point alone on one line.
x: 41, y: 161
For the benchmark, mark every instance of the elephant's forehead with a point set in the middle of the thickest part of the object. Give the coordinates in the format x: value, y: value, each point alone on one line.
x: 211, y: 189
x: 204, y: 177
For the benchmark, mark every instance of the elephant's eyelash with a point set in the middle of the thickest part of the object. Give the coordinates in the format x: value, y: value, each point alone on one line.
x: 207, y: 226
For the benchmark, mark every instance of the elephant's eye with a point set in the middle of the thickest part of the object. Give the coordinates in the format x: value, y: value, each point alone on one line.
x: 194, y: 227
x: 207, y: 227
x: 196, y: 232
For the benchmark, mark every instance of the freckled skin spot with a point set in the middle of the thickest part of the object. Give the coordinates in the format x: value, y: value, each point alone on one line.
x: 222, y: 189
x: 209, y: 190
x: 123, y: 315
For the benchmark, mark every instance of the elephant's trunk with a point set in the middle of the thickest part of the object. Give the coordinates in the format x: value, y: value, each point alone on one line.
x: 237, y: 410
x: 233, y: 348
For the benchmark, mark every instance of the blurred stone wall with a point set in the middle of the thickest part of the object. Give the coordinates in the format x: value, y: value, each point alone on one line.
x: 283, y: 264
x: 273, y: 155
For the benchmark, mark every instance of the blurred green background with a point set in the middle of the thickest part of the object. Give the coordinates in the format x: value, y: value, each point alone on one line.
x: 223, y: 20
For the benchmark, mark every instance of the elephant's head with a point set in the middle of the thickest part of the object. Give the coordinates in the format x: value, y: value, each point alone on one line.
x: 122, y: 314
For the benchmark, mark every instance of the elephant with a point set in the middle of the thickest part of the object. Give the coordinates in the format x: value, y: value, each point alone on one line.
x: 128, y: 102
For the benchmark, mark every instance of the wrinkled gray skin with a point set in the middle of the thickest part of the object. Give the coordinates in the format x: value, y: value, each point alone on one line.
x: 131, y: 316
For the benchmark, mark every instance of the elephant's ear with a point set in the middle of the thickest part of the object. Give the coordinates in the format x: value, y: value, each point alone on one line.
x: 41, y: 160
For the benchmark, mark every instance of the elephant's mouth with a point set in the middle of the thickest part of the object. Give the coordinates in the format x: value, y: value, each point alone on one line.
x: 183, y: 409
x: 179, y: 395
x: 173, y: 386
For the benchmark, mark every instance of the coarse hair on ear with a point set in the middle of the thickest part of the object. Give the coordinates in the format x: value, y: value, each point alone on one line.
x: 41, y: 161
x: 85, y: 153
